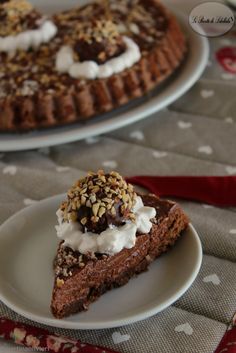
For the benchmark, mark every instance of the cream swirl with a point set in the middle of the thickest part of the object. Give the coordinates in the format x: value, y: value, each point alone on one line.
x: 28, y: 39
x: 90, y: 69
x: 110, y: 241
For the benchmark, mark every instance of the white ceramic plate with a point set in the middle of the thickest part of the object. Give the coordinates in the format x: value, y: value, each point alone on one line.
x: 28, y: 245
x: 176, y: 86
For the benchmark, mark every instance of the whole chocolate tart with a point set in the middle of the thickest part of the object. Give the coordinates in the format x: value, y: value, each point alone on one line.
x: 80, y: 279
x: 35, y: 94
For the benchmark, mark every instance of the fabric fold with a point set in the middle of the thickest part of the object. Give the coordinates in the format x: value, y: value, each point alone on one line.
x: 214, y: 190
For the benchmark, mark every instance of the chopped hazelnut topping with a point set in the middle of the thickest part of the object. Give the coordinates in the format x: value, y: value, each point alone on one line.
x: 21, y: 6
x: 13, y: 16
x: 100, y: 198
x: 98, y: 31
x: 65, y: 261
x: 60, y: 282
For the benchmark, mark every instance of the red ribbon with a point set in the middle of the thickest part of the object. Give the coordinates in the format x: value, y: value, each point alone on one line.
x: 228, y: 342
x: 42, y: 340
x: 215, y: 190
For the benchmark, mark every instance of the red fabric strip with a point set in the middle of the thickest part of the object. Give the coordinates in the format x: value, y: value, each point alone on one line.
x: 219, y: 191
x: 42, y: 340
x: 228, y: 342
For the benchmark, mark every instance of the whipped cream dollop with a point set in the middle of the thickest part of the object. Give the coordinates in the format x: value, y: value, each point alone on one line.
x: 90, y: 69
x: 110, y: 241
x: 28, y: 39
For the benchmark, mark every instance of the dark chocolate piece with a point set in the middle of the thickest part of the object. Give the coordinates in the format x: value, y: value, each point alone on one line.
x: 99, y: 41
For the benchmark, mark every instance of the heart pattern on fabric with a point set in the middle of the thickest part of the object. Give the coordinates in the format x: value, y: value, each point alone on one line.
x: 61, y: 169
x: 29, y: 202
x: 110, y: 164
x: 205, y: 149
x: 184, y: 124
x: 207, y: 93
x: 229, y: 120
x: 117, y: 337
x: 228, y: 76
x: 230, y: 170
x: 159, y: 154
x: 232, y: 231
x: 91, y: 140
x: 137, y: 135
x: 225, y: 41
x: 214, y: 279
x: 10, y: 170
x: 186, y: 328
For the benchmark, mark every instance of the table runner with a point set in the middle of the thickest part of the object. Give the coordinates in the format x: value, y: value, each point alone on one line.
x: 194, y: 136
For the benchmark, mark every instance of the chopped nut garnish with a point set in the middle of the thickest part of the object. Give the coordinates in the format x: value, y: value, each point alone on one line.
x: 60, y: 282
x: 149, y: 259
x: 84, y: 220
x: 13, y: 14
x: 97, y: 31
x: 101, y: 211
x: 98, y: 194
x: 95, y: 209
x: 14, y: 6
x: 66, y: 260
x: 83, y: 200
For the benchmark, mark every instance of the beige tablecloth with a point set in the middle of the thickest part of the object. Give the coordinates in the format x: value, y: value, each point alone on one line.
x: 195, y: 136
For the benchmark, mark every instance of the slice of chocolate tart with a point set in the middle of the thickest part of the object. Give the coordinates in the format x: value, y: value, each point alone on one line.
x: 103, y: 247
